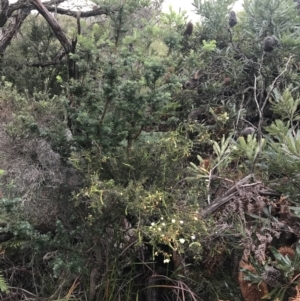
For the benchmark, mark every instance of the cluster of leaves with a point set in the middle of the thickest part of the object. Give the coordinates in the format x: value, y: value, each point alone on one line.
x: 113, y: 171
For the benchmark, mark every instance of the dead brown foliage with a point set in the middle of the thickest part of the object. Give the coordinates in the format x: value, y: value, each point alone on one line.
x: 34, y: 172
x: 287, y: 251
x: 251, y: 291
x: 252, y: 203
x: 297, y: 297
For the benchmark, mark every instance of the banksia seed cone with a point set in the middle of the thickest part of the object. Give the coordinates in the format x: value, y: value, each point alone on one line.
x: 269, y: 43
x: 272, y: 276
x: 251, y: 291
x: 232, y: 19
x: 189, y: 29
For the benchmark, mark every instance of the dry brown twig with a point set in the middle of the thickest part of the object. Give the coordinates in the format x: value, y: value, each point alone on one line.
x: 261, y: 109
x: 237, y: 191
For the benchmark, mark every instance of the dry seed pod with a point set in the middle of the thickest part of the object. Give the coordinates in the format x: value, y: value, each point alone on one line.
x: 189, y: 29
x: 194, y: 81
x: 272, y: 276
x: 269, y: 43
x: 232, y: 19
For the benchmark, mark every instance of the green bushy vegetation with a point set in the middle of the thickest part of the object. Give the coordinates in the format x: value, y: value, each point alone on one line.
x: 118, y: 184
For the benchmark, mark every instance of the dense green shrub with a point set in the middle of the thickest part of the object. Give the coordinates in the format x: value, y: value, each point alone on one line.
x: 119, y: 185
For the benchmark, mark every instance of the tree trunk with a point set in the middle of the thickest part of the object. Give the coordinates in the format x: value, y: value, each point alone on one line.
x: 56, y: 28
x: 12, y: 29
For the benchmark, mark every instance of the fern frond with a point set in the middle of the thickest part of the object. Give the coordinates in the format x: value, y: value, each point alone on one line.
x: 3, y: 284
x: 12, y: 243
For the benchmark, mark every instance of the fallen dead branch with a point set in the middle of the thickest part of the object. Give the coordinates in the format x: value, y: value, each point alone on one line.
x: 243, y: 188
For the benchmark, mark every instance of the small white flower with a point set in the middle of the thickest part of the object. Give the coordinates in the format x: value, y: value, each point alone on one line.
x: 167, y: 260
x: 163, y: 224
x: 195, y: 218
x: 193, y: 237
x: 173, y: 221
x: 181, y: 222
x: 159, y: 229
x: 181, y: 240
x: 152, y: 224
x: 162, y: 218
